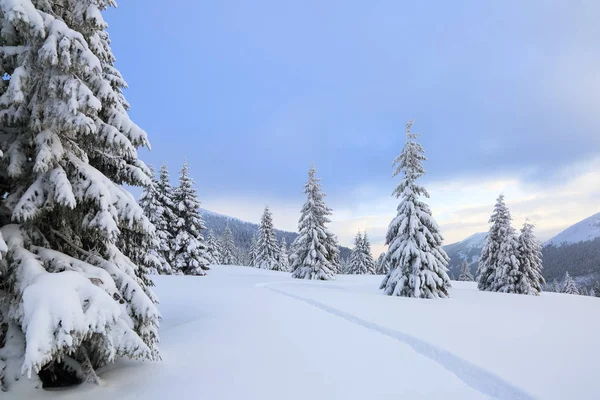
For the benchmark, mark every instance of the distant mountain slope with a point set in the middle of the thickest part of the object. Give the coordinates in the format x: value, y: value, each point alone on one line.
x: 467, y: 249
x: 588, y: 229
x: 243, y: 231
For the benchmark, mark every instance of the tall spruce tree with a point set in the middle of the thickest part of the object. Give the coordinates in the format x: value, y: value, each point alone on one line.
x: 253, y: 250
x: 530, y: 261
x: 267, y: 247
x: 68, y: 148
x: 150, y: 201
x: 596, y: 289
x: 228, y: 250
x: 499, y: 267
x: 569, y: 285
x: 213, y: 249
x: 418, y: 263
x: 168, y: 225
x: 283, y: 255
x: 369, y: 261
x: 383, y: 266
x: 314, y: 254
x: 465, y: 272
x: 358, y: 265
x: 189, y: 248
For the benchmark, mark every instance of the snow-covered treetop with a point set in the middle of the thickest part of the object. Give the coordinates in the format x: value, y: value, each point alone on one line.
x: 409, y: 163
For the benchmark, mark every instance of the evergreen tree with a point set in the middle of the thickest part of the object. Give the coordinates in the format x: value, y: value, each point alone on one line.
x: 584, y: 292
x: 154, y: 210
x: 189, y: 248
x: 68, y: 148
x: 268, y: 251
x: 569, y: 285
x: 283, y: 256
x: 168, y: 222
x: 596, y: 289
x: 253, y: 250
x: 383, y: 266
x: 358, y: 265
x: 499, y: 268
x: 228, y: 250
x: 555, y: 286
x: 530, y: 261
x: 465, y: 272
x: 369, y: 261
x: 315, y: 256
x: 418, y: 263
x: 213, y: 249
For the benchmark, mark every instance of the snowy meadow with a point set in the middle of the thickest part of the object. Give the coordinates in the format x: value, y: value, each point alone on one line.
x: 105, y: 295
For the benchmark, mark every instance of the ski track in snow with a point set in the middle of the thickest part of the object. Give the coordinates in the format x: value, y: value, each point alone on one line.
x: 480, y: 379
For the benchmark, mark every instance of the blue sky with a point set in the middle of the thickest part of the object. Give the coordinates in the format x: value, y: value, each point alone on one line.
x: 505, y: 94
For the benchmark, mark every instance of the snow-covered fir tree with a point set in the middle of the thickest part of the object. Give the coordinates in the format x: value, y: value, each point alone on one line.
x: 369, y: 261
x: 361, y: 260
x: 358, y: 264
x: 569, y: 285
x: 166, y: 198
x: 418, y: 263
x: 267, y: 246
x: 584, y: 292
x: 189, y: 247
x: 596, y: 289
x: 530, y: 261
x: 383, y: 266
x: 499, y: 268
x: 228, y: 250
x: 150, y: 201
x: 283, y: 255
x: 315, y: 252
x: 465, y: 272
x: 67, y: 149
x: 253, y: 250
x: 213, y: 249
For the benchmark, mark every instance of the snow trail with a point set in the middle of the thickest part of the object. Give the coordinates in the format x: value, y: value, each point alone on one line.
x: 472, y: 375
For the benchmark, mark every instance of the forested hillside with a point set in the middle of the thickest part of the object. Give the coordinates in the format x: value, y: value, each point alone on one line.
x: 243, y: 231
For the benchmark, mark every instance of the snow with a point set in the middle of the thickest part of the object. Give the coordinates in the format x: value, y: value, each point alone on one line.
x: 588, y: 229
x: 251, y: 334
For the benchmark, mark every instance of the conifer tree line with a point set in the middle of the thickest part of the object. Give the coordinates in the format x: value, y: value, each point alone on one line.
x: 510, y: 262
x: 184, y: 246
x: 569, y: 286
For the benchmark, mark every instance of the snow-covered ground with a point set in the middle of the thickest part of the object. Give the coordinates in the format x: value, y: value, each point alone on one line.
x: 244, y: 333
